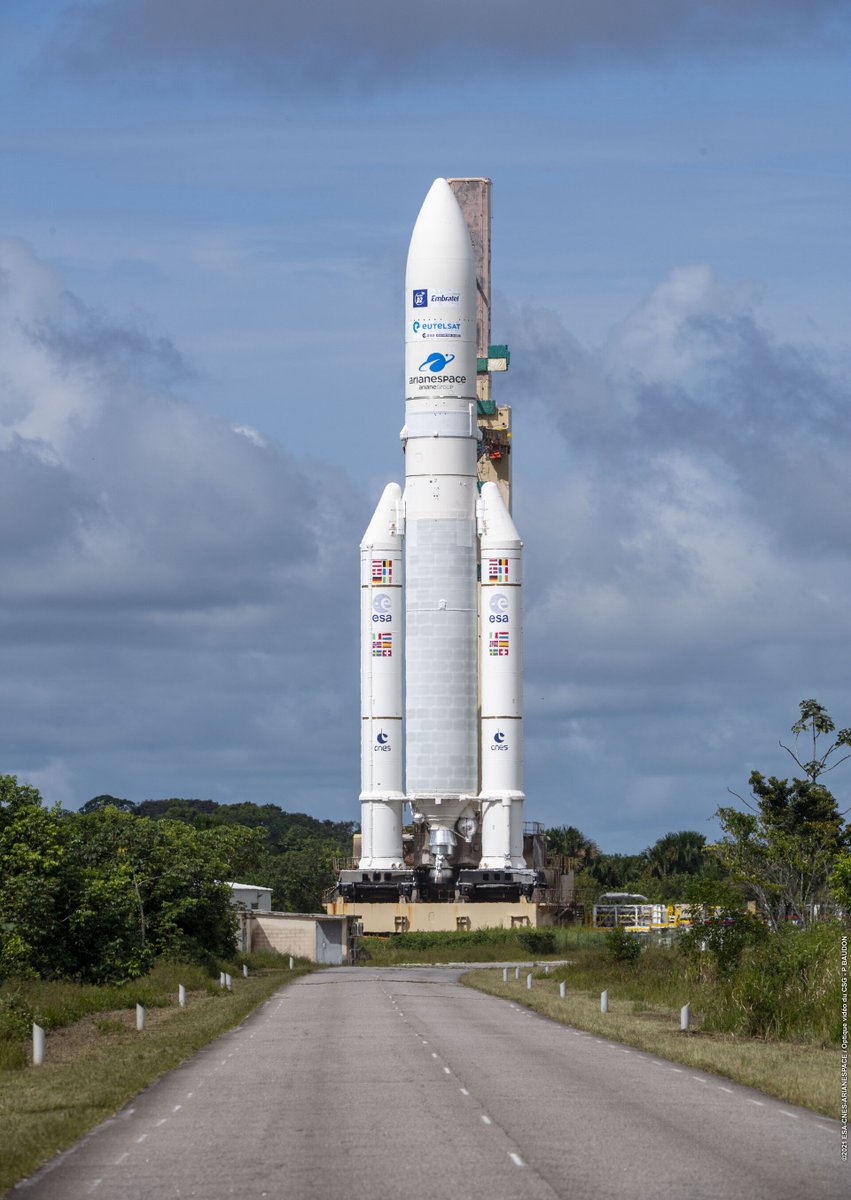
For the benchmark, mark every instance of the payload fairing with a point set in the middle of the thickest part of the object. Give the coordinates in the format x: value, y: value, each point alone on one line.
x: 441, y: 617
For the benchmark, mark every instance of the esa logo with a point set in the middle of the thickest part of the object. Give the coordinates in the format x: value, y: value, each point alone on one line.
x: 420, y: 297
x: 381, y: 609
x: 499, y: 742
x: 499, y: 609
x: 382, y: 742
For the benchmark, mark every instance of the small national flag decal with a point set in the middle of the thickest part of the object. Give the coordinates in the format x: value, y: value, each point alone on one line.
x: 497, y: 570
x: 498, y: 644
x: 382, y: 570
x: 382, y: 645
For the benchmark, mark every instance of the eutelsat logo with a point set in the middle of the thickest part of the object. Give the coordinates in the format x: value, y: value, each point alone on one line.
x: 420, y: 297
x: 436, y: 362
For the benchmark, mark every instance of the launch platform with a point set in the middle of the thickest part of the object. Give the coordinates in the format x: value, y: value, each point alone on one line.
x: 407, y: 916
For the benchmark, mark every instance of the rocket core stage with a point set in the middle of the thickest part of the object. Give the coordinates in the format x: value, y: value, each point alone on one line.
x: 457, y: 661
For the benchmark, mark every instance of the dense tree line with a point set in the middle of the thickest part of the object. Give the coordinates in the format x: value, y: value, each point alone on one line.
x: 100, y: 893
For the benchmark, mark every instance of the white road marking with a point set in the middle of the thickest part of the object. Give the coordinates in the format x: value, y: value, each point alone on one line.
x: 142, y: 1138
x: 676, y: 1069
x: 826, y: 1128
x: 177, y: 1108
x: 433, y: 1054
x: 486, y: 1119
x: 759, y: 1102
x: 446, y: 1071
x: 464, y: 1092
x: 94, y: 1185
x: 121, y: 1158
x: 794, y: 1116
x: 162, y: 1121
x: 516, y: 1159
x: 697, y: 1079
x: 425, y: 1043
x: 729, y: 1091
x: 189, y: 1095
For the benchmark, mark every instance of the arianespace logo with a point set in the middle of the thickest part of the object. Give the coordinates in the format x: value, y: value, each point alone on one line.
x: 382, y: 742
x: 420, y: 297
x: 499, y: 742
x: 436, y: 363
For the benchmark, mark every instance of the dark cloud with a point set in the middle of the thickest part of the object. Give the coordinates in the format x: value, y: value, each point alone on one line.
x: 169, y: 585
x: 335, y: 44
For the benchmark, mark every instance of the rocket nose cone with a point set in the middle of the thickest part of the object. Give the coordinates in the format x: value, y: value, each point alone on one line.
x: 441, y: 224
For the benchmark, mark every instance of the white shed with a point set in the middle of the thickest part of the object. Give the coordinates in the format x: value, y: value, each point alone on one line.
x: 251, y: 897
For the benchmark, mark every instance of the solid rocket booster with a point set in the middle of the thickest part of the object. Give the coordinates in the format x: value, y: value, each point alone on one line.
x: 463, y: 706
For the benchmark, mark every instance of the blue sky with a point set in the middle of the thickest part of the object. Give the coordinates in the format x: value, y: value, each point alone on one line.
x: 204, y: 217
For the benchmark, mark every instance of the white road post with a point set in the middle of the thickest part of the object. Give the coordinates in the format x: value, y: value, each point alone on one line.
x: 292, y: 962
x: 140, y: 1016
x: 516, y: 972
x: 505, y: 974
x: 221, y: 979
x: 245, y: 970
x: 529, y: 981
x: 38, y: 1045
x: 562, y: 989
x: 229, y: 983
x: 684, y: 1017
x: 181, y: 995
x: 546, y: 968
x: 604, y: 1002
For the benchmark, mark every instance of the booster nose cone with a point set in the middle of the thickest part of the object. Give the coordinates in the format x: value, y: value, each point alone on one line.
x: 440, y: 301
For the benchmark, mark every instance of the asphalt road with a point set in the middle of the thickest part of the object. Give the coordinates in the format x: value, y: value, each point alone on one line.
x: 400, y: 1084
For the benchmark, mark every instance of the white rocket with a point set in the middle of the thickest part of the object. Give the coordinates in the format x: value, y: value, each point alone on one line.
x: 441, y: 615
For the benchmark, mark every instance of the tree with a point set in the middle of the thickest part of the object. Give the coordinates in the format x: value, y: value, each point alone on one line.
x: 785, y: 847
x: 572, y: 843
x: 97, y: 802
x: 34, y: 878
x: 676, y: 854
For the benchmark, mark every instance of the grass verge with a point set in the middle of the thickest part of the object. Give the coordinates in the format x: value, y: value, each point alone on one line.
x: 798, y: 1073
x: 99, y: 1062
x: 479, y: 945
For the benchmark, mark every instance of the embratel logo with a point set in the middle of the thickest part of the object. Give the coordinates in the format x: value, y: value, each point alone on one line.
x: 382, y: 742
x: 499, y: 741
x: 451, y: 298
x: 420, y: 297
x: 436, y: 362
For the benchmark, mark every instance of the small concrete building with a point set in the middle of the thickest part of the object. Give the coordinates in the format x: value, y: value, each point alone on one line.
x: 315, y: 936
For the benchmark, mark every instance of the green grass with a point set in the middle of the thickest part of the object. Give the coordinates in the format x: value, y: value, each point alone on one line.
x: 95, y: 1063
x: 478, y: 945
